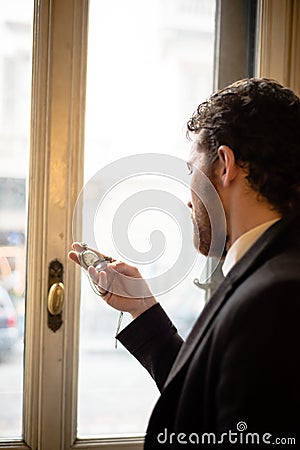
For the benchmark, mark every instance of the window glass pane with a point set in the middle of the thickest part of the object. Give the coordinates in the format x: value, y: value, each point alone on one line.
x: 150, y: 63
x: 15, y: 87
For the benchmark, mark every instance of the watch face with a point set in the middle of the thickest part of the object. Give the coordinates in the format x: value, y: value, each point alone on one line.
x: 88, y: 258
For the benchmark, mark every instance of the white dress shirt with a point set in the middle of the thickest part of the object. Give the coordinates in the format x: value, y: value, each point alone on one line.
x: 242, y: 245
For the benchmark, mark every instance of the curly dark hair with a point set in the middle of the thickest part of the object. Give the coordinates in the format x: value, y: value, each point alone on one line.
x: 259, y: 119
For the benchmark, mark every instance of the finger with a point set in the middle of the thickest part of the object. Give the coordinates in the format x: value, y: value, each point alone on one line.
x: 93, y: 274
x: 125, y: 269
x: 74, y: 257
x: 100, y: 279
x: 131, y: 282
x: 78, y: 247
x: 103, y: 282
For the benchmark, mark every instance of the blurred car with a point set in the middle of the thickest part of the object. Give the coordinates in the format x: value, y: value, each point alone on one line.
x: 8, y: 322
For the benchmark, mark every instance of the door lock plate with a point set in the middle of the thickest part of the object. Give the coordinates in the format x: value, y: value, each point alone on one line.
x: 56, y: 295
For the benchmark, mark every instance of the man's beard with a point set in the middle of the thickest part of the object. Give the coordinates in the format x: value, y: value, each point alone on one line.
x: 202, y: 230
x: 208, y: 241
x: 203, y: 233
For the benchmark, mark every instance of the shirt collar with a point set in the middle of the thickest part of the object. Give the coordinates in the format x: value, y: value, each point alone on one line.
x: 242, y: 245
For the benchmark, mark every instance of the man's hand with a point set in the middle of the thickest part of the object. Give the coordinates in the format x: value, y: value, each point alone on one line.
x: 124, y: 287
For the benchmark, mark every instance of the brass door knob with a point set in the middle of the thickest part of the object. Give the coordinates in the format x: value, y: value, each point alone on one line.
x: 56, y: 298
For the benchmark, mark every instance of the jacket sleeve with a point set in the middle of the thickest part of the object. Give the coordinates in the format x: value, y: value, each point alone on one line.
x: 153, y: 340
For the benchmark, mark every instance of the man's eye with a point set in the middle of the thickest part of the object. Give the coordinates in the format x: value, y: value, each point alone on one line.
x: 190, y: 168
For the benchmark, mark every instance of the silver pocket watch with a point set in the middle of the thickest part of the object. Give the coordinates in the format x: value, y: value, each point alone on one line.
x: 88, y: 258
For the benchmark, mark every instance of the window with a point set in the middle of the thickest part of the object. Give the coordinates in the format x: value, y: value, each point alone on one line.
x: 150, y: 64
x: 15, y: 91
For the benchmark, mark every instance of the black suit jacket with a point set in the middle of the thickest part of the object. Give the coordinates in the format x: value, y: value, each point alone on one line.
x: 238, y: 372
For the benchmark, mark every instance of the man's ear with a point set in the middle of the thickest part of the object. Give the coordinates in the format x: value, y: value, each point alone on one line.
x: 227, y: 168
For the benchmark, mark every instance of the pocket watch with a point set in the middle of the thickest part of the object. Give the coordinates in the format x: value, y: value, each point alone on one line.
x: 88, y: 258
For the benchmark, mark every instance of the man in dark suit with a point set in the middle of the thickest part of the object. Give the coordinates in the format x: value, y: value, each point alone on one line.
x: 235, y: 382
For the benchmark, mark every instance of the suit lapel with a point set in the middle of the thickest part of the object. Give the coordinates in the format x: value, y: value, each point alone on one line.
x: 250, y: 262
